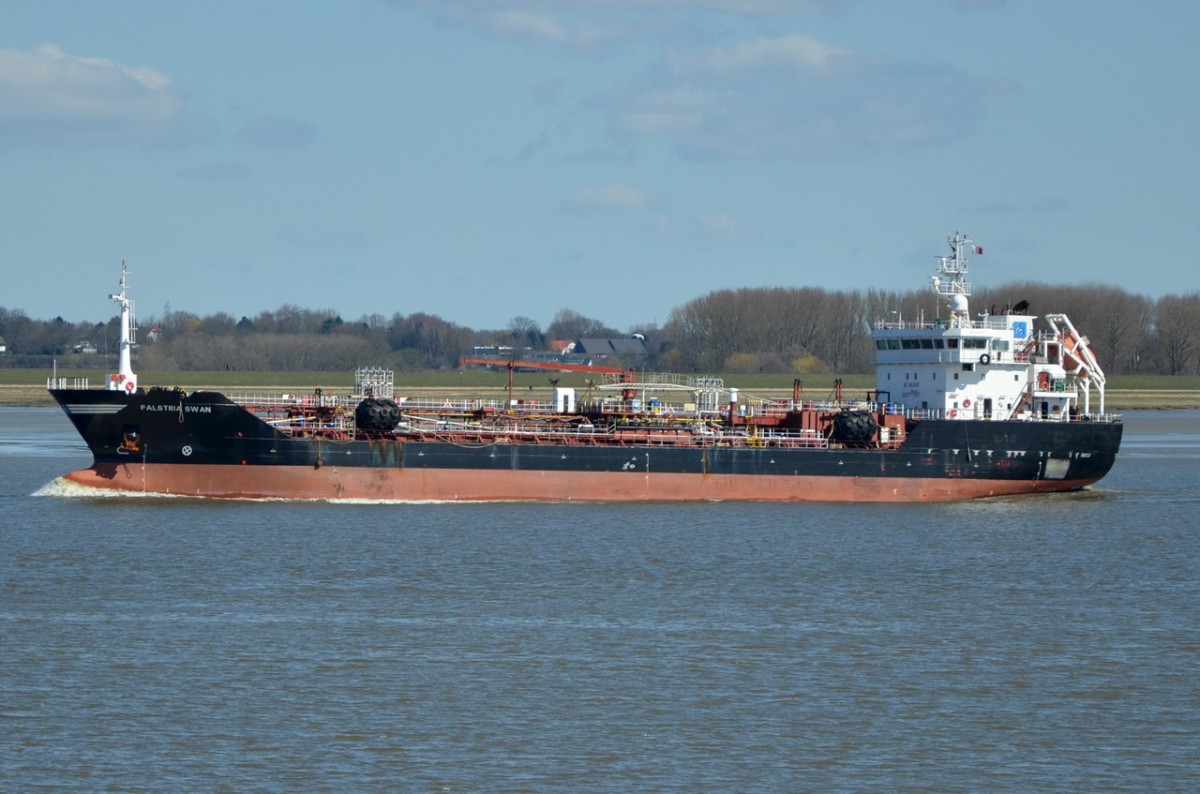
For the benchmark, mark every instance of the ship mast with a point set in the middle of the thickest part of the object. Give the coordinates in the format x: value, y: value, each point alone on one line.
x: 951, y: 282
x: 124, y: 379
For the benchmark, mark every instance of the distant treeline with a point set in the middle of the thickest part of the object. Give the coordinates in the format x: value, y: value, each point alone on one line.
x: 802, y: 330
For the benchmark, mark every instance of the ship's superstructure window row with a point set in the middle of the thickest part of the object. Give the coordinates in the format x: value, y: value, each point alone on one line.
x: 940, y: 343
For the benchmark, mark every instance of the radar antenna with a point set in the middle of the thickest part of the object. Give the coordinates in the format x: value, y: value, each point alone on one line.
x: 950, y: 281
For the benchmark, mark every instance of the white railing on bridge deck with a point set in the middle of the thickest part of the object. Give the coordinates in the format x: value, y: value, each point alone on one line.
x: 991, y: 322
x: 67, y: 383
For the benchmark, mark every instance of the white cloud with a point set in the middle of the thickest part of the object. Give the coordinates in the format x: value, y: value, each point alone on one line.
x: 671, y: 110
x: 793, y: 97
x: 783, y: 52
x: 700, y: 229
x: 49, y: 96
x: 589, y: 27
x: 583, y: 36
x: 528, y: 25
x: 787, y: 96
x: 733, y: 7
x: 721, y: 226
x: 609, y: 197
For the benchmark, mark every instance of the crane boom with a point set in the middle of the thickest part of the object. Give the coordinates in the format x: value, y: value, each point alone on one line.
x: 617, y: 374
x: 625, y: 375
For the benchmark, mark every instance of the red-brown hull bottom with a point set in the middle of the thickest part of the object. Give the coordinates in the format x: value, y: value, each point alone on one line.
x: 389, y: 484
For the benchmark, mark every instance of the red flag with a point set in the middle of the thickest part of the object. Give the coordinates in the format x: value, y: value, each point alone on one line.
x: 979, y: 249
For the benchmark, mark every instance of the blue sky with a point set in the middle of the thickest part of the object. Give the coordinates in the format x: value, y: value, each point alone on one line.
x: 488, y: 159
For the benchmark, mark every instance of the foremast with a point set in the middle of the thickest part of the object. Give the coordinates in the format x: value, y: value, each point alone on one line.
x: 124, y: 378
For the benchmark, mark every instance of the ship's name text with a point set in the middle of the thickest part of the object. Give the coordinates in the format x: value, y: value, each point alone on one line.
x: 187, y: 409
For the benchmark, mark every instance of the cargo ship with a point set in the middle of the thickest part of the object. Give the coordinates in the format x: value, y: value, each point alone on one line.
x: 995, y: 404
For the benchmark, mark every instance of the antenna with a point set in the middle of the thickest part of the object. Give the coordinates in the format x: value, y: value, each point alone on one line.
x: 950, y: 281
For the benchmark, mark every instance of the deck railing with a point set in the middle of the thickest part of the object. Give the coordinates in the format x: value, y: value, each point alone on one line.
x: 67, y: 383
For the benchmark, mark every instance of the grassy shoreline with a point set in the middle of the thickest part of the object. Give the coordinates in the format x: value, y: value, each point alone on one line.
x: 27, y: 388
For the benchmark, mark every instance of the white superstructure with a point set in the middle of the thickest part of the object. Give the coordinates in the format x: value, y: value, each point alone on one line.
x: 994, y: 367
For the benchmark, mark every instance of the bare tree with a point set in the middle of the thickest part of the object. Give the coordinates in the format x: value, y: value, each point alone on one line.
x: 1177, y: 322
x: 750, y: 329
x: 1119, y: 328
x: 439, y: 343
x: 570, y: 324
x: 526, y: 332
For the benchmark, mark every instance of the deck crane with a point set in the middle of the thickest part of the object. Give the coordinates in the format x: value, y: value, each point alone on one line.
x: 615, y: 374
